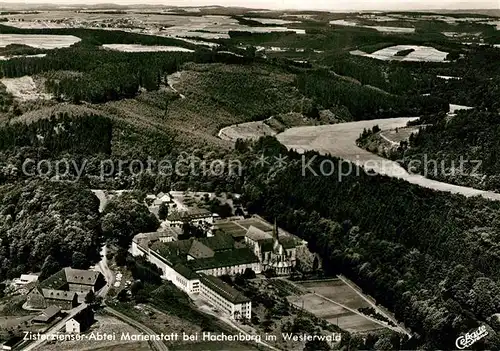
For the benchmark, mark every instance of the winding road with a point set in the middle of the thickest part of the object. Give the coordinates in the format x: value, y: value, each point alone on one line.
x: 340, y: 140
x: 157, y: 345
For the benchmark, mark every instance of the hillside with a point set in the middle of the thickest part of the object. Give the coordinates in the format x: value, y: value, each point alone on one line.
x: 465, y: 149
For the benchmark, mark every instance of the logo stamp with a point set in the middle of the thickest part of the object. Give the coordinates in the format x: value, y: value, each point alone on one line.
x: 469, y: 339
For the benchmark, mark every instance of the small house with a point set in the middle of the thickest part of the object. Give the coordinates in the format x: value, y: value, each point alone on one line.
x: 81, y: 322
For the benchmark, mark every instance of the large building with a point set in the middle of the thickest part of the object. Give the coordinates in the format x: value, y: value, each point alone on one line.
x: 224, y: 297
x: 234, y: 246
x: 217, y: 255
x: 197, y: 217
x: 65, y: 288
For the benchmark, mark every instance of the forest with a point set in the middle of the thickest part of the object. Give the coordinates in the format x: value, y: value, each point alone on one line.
x: 84, y: 135
x: 471, y: 136
x: 364, y: 102
x: 433, y: 259
x: 45, y: 226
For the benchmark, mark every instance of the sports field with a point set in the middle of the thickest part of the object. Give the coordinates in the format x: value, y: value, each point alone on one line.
x: 337, y: 303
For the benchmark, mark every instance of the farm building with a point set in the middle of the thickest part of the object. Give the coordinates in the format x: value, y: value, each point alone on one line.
x: 63, y: 288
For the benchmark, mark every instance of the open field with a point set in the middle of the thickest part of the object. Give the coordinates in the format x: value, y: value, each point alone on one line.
x: 40, y: 41
x: 24, y: 88
x: 204, y: 27
x: 250, y: 130
x: 420, y: 54
x: 326, y: 299
x: 143, y: 48
x: 5, y: 58
x: 340, y: 140
x: 384, y: 29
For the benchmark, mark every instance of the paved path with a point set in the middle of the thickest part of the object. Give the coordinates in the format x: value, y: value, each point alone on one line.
x: 108, y: 274
x: 340, y: 140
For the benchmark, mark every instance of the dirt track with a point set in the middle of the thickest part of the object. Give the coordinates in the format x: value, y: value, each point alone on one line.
x: 340, y: 140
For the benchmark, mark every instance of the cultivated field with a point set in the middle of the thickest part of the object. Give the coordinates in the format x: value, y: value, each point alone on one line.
x: 420, y: 54
x: 143, y: 48
x: 204, y: 27
x: 340, y: 140
x: 384, y: 29
x: 39, y: 41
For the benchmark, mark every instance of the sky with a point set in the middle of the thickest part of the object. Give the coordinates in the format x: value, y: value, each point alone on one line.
x: 332, y: 5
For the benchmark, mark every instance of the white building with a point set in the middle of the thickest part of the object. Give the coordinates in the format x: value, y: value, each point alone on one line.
x: 25, y: 279
x: 225, y: 298
x: 80, y: 322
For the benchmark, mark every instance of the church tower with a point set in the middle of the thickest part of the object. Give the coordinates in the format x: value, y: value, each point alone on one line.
x: 277, y: 248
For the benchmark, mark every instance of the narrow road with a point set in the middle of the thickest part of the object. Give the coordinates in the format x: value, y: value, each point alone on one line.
x: 53, y: 330
x: 157, y: 345
x: 108, y: 274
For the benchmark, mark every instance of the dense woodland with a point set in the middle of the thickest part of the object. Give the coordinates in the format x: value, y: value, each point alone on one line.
x: 82, y: 135
x: 369, y: 103
x: 124, y: 217
x: 471, y: 136
x: 45, y: 226
x: 433, y: 259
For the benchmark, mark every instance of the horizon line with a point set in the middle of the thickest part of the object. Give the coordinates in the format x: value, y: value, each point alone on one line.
x: 113, y: 4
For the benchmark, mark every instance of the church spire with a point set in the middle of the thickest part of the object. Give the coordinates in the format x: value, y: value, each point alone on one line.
x: 275, y: 230
x: 276, y: 242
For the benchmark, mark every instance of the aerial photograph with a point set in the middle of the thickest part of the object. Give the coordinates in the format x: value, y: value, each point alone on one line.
x: 249, y: 175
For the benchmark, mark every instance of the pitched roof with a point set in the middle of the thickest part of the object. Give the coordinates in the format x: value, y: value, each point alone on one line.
x: 193, y: 213
x: 144, y: 239
x: 58, y: 294
x: 221, y: 241
x: 200, y: 250
x: 51, y: 311
x: 47, y: 314
x: 257, y: 234
x: 80, y: 276
x: 185, y: 272
x: 55, y: 281
x: 173, y: 248
x: 223, y: 289
x: 224, y: 259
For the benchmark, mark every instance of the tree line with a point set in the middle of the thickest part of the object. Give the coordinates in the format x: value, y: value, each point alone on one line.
x: 431, y: 257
